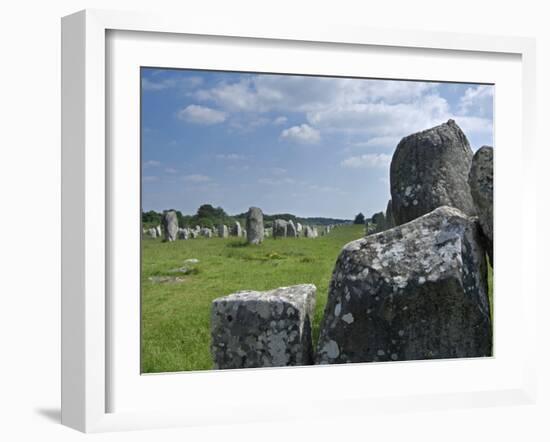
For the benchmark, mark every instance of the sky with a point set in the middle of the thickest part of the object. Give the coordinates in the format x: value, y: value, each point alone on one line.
x: 310, y: 146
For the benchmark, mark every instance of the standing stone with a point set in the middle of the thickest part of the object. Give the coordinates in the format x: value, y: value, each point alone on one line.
x: 152, y: 232
x: 263, y: 329
x: 481, y: 186
x: 266, y: 233
x: 223, y: 232
x: 254, y: 226
x: 380, y: 221
x: 310, y: 232
x: 184, y: 233
x: 390, y: 222
x: 298, y: 228
x: 170, y: 225
x: 206, y: 232
x: 237, y: 229
x: 291, y: 229
x: 193, y: 234
x: 370, y: 228
x: 159, y: 231
x: 279, y: 228
x: 417, y: 291
x: 430, y: 169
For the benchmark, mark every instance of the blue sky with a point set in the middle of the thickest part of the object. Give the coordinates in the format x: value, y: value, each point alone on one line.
x: 311, y: 146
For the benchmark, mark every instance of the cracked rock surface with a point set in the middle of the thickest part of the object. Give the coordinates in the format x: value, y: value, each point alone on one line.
x: 418, y: 291
x: 481, y: 186
x: 263, y: 329
x: 430, y: 169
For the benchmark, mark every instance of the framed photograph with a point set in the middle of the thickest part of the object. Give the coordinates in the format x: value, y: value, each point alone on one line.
x: 250, y: 214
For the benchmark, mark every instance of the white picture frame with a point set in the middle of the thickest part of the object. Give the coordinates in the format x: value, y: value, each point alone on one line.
x: 86, y: 205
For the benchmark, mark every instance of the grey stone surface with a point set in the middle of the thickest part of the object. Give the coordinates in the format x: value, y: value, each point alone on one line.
x: 429, y: 169
x: 390, y: 222
x: 237, y: 229
x: 184, y: 233
x: 279, y: 228
x: 309, y: 232
x: 170, y: 225
x: 481, y: 186
x: 417, y: 291
x: 291, y: 229
x: 298, y: 228
x: 379, y: 220
x: 206, y: 232
x: 152, y: 232
x: 159, y: 231
x: 223, y: 231
x: 263, y: 329
x: 254, y: 226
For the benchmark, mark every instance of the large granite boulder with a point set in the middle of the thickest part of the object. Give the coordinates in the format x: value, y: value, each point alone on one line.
x: 430, y: 169
x: 417, y: 291
x: 263, y: 329
x: 481, y: 186
x: 237, y: 229
x: 390, y: 222
x: 291, y: 229
x: 170, y: 225
x: 279, y: 228
x: 254, y: 226
x: 223, y: 231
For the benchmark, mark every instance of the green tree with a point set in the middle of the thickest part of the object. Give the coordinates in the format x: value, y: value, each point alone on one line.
x: 359, y: 219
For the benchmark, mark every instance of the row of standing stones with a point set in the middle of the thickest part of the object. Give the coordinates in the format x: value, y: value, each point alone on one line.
x: 415, y: 290
x: 254, y: 232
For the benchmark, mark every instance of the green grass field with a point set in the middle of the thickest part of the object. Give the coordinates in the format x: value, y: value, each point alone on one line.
x: 176, y: 315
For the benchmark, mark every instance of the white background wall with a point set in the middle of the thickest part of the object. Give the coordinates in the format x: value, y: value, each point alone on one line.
x: 30, y: 215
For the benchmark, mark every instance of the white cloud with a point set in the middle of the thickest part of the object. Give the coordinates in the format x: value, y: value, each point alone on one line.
x: 195, y: 113
x: 197, y: 178
x: 477, y: 101
x: 367, y: 161
x: 278, y: 171
x: 230, y: 156
x: 151, y: 163
x: 380, y: 119
x: 276, y: 181
x: 387, y: 142
x: 265, y: 93
x: 280, y: 120
x: 302, y: 134
x: 170, y: 170
x: 170, y: 83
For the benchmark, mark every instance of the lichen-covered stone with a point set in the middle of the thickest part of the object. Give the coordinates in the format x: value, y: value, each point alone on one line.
x: 254, y: 226
x: 310, y: 232
x: 263, y: 329
x: 279, y: 228
x: 417, y: 291
x: 206, y: 232
x: 429, y: 169
x: 380, y: 221
x: 291, y: 229
x: 390, y: 222
x: 184, y: 233
x: 223, y: 231
x: 481, y: 186
x: 170, y: 225
x: 237, y: 229
x: 298, y: 228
